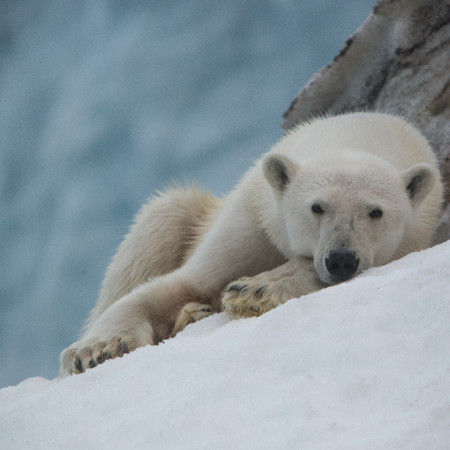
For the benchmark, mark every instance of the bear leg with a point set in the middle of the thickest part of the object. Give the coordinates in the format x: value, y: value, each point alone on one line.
x: 146, y: 316
x: 165, y: 233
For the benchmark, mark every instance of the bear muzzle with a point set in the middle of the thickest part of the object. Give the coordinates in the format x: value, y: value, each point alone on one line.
x: 341, y: 264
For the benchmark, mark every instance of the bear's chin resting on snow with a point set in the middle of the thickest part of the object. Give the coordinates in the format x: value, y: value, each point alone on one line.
x: 333, y: 198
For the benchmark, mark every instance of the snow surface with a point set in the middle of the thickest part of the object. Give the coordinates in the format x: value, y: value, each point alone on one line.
x: 102, y: 103
x: 361, y: 365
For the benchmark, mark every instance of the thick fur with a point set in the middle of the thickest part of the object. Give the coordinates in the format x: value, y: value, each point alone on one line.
x: 363, y: 188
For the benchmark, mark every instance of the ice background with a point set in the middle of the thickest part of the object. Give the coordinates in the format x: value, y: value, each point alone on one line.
x: 362, y: 365
x: 104, y: 102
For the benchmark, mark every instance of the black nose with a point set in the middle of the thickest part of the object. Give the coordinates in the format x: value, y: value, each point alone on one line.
x: 341, y: 264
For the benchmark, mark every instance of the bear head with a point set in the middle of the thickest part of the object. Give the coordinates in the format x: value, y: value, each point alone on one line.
x: 347, y: 210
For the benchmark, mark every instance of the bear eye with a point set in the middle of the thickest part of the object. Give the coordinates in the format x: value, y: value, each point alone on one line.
x: 376, y: 213
x: 317, y: 209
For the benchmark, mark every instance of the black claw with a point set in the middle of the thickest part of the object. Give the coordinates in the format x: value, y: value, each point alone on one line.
x: 237, y: 287
x: 78, y: 365
x: 107, y: 355
x: 124, y: 347
x: 260, y: 291
x: 99, y: 360
x: 92, y: 364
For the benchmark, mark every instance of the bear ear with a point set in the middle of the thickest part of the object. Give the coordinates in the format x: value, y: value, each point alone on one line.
x: 419, y: 181
x: 279, y: 171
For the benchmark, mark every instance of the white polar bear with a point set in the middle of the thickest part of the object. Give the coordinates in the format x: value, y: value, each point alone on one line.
x: 333, y: 198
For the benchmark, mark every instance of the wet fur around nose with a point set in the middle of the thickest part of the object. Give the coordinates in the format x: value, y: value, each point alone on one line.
x: 341, y: 260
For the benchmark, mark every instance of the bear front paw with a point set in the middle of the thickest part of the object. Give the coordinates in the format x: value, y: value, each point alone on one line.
x: 191, y: 313
x: 88, y: 353
x: 248, y: 297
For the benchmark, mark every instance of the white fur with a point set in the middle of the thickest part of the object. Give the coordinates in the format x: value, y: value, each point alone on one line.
x: 263, y: 243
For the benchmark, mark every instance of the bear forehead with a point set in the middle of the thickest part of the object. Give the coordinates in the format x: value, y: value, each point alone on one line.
x: 351, y: 161
x: 358, y: 189
x: 350, y: 181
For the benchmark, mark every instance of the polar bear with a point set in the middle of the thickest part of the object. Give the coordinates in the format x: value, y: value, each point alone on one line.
x: 334, y: 197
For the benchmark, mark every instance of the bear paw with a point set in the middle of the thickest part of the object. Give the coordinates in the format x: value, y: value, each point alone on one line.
x: 249, y: 297
x: 192, y: 312
x: 88, y: 353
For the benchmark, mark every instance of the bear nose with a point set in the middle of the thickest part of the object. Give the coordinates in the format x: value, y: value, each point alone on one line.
x: 341, y: 264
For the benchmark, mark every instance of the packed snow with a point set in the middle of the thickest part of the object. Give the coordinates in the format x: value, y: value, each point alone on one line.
x: 361, y: 365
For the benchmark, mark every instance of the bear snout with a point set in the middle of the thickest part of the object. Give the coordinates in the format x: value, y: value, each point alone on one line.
x: 341, y: 264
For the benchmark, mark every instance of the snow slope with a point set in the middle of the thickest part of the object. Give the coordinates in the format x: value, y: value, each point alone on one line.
x: 362, y: 365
